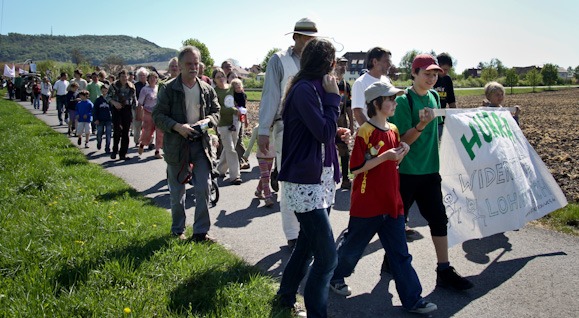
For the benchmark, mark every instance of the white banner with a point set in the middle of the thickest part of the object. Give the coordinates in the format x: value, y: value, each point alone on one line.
x: 9, y: 72
x: 492, y: 179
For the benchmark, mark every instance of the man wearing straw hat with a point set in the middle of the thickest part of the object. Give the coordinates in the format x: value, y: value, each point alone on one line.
x: 281, y: 67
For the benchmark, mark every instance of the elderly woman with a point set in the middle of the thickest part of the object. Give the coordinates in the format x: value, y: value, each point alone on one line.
x: 122, y: 96
x: 309, y: 172
x: 228, y: 159
x: 147, y: 101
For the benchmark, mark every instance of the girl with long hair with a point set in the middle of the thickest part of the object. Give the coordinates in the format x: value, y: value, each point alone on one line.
x: 309, y: 172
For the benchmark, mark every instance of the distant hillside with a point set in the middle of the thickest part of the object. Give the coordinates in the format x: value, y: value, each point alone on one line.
x: 16, y: 47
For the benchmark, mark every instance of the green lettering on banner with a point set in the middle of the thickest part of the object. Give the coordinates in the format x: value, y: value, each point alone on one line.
x: 486, y: 118
x: 508, y: 129
x: 468, y: 145
x: 499, y: 125
x: 487, y: 137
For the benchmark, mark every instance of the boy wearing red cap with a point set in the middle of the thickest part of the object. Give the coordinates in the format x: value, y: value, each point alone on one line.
x: 419, y: 172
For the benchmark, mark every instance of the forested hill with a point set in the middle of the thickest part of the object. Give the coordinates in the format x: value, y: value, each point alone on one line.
x: 94, y: 49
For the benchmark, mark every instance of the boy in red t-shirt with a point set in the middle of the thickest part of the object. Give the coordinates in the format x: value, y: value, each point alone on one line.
x: 376, y: 204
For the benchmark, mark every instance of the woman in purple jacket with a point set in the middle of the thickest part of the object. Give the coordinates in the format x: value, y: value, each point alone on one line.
x: 309, y: 172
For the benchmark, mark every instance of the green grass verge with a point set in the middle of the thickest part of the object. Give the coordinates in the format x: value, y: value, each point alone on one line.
x: 253, y: 96
x: 76, y: 241
x: 565, y: 220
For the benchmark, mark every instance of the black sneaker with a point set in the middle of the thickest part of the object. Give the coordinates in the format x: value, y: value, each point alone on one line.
x: 203, y: 237
x: 450, y: 278
x: 114, y: 155
x: 341, y: 289
x: 424, y: 308
x: 295, y: 309
x: 79, y: 141
x: 98, y: 145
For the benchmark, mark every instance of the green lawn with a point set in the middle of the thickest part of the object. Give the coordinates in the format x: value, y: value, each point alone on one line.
x: 253, y: 96
x: 565, y: 220
x: 76, y: 241
x: 480, y: 91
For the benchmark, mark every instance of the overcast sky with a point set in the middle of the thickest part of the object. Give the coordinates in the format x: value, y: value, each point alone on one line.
x: 519, y: 33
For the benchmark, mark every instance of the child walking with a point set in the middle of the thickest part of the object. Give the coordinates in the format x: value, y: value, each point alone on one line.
x: 103, y: 119
x: 84, y: 110
x: 420, y: 179
x: 36, y: 94
x: 71, y: 100
x: 265, y: 161
x: 376, y: 204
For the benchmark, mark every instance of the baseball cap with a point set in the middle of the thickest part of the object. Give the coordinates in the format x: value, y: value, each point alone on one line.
x: 305, y: 26
x: 379, y: 88
x: 425, y: 62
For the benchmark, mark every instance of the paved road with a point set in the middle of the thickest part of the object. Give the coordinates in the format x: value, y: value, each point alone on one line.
x: 528, y: 273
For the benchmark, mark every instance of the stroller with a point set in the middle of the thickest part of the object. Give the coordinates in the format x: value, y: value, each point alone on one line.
x: 213, y: 186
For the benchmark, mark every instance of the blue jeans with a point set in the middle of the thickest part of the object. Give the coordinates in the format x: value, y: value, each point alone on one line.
x: 106, y: 127
x: 60, y: 102
x: 315, y: 239
x: 36, y: 102
x: 201, y: 177
x: 393, y: 238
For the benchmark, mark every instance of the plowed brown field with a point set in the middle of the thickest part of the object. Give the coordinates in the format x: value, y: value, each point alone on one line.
x: 548, y: 120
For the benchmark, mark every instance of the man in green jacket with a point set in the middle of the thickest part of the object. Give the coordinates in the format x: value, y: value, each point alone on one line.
x: 182, y: 104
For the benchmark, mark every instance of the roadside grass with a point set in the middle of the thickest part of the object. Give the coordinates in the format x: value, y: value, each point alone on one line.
x: 565, y: 220
x: 253, y: 96
x: 76, y: 241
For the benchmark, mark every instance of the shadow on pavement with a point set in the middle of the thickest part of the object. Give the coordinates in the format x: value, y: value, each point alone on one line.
x: 243, y: 217
x: 377, y: 303
x: 267, y: 263
x: 495, y: 274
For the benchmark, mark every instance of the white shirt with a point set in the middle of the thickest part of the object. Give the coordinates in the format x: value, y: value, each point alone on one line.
x: 45, y: 88
x: 60, y: 87
x: 82, y: 83
x: 192, y: 102
x: 360, y: 85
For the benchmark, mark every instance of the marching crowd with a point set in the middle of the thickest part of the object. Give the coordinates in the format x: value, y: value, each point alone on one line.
x: 307, y: 115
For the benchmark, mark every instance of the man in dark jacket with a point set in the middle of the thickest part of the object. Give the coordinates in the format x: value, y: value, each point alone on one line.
x: 183, y: 104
